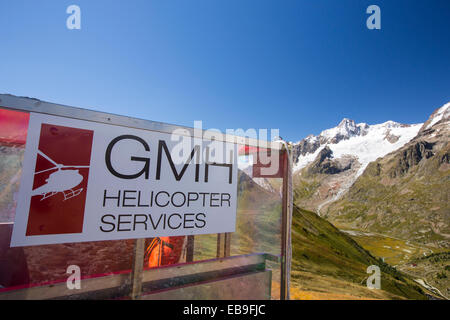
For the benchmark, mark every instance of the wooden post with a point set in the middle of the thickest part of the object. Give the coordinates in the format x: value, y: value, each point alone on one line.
x: 190, y: 249
x: 223, y: 245
x: 227, y: 245
x: 136, y: 271
x: 219, y: 245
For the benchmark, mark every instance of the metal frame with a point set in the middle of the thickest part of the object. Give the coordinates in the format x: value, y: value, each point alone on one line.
x: 34, y: 105
x: 12, y: 102
x: 286, y: 245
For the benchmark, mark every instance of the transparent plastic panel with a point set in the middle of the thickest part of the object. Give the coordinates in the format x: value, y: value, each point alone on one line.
x: 110, y: 263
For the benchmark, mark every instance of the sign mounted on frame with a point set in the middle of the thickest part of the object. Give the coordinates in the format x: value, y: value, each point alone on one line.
x: 87, y: 181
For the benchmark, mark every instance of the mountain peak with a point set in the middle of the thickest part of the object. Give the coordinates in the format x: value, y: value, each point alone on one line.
x: 391, y: 124
x: 347, y: 128
x: 346, y: 122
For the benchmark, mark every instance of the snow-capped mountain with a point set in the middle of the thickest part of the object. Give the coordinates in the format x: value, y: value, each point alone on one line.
x: 341, y: 154
x: 364, y: 142
x: 403, y: 194
x: 331, y: 162
x: 327, y: 165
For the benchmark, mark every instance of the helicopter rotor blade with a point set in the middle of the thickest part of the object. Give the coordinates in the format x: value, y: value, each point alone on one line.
x: 54, y: 168
x: 80, y: 167
x: 61, y: 167
x: 47, y: 158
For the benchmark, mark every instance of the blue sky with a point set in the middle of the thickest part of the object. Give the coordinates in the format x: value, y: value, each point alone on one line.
x: 299, y: 66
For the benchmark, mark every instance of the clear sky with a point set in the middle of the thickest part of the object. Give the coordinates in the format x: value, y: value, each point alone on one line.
x: 299, y: 66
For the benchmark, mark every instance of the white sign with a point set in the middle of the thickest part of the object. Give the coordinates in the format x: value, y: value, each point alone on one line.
x: 86, y: 181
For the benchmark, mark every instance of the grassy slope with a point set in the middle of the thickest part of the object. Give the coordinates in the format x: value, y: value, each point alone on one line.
x: 329, y: 264
x: 394, y: 251
x: 413, y: 206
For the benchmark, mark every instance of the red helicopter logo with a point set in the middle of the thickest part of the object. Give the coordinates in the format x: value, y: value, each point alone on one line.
x: 65, y: 179
x: 60, y: 180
